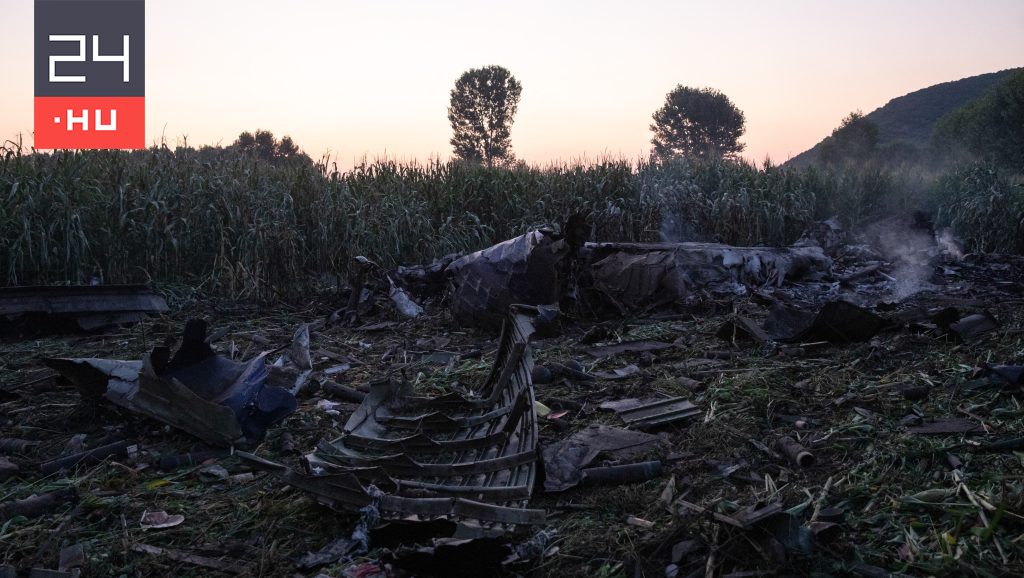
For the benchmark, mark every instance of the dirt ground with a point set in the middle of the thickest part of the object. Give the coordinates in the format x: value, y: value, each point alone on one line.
x: 882, y: 498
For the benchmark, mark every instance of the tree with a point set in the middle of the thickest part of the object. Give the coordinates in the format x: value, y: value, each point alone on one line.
x: 287, y: 147
x: 483, y: 104
x: 990, y: 127
x: 246, y: 141
x: 700, y: 122
x: 265, y: 146
x: 855, y: 139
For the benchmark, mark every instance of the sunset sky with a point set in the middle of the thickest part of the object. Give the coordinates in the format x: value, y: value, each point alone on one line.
x: 368, y: 78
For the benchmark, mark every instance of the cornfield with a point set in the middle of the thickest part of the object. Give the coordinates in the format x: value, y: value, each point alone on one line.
x: 234, y: 225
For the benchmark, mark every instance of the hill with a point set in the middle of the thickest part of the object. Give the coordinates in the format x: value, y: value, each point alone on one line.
x: 909, y: 119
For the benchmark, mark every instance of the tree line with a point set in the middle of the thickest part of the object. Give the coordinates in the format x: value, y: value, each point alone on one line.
x: 704, y: 123
x: 697, y: 122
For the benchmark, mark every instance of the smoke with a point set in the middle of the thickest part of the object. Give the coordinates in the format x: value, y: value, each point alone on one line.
x: 949, y: 244
x: 911, y: 277
x: 910, y: 250
x: 913, y: 249
x: 675, y: 230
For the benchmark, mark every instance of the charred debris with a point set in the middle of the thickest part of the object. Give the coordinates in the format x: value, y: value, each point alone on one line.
x: 36, y: 310
x: 439, y: 473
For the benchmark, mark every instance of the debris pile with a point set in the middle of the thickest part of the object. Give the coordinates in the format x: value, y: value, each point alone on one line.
x: 542, y: 268
x: 462, y: 455
x: 700, y: 409
x: 532, y: 269
x: 636, y: 275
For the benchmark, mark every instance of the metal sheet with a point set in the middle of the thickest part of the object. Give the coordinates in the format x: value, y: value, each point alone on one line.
x: 474, y: 456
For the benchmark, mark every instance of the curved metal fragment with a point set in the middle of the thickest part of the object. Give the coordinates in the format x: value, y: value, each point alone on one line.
x: 454, y: 456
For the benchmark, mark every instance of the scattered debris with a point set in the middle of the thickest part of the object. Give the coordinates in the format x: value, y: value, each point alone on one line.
x: 7, y: 468
x: 57, y: 308
x: 171, y: 462
x: 658, y: 413
x: 343, y: 392
x: 299, y: 350
x: 1006, y: 374
x: 970, y: 328
x: 947, y: 426
x: 160, y: 520
x: 532, y: 269
x: 329, y: 554
x: 571, y: 370
x: 215, y: 471
x: 912, y: 392
x: 242, y: 478
x: 403, y: 303
x: 636, y: 275
x: 75, y: 445
x: 426, y: 280
x: 930, y: 496
x: 627, y: 347
x: 394, y: 452
x: 869, y: 269
x: 619, y: 405
x: 38, y: 505
x: 622, y: 474
x: 72, y: 558
x: 755, y: 514
x: 92, y: 376
x: 399, y: 297
x: 467, y: 558
x: 118, y: 448
x: 741, y: 328
x: 565, y: 460
x: 218, y: 400
x: 827, y: 234
x: 541, y: 375
x: 219, y: 564
x: 337, y: 369
x: 668, y: 493
x: 836, y: 322
x: 44, y: 573
x: 639, y: 522
x: 328, y: 407
x: 618, y: 373
x: 16, y: 446
x: 713, y: 514
x: 1009, y: 445
x: 685, y: 548
x: 796, y: 453
x: 535, y: 269
x: 437, y: 460
x: 540, y: 409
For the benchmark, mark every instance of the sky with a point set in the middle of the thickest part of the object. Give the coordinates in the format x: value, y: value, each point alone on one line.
x: 372, y: 78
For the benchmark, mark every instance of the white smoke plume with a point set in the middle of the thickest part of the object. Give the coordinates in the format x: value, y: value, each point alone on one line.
x: 910, y: 250
x: 949, y: 244
x: 675, y: 229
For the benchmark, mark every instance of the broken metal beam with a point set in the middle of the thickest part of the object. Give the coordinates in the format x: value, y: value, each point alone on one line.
x: 659, y: 413
x: 88, y: 307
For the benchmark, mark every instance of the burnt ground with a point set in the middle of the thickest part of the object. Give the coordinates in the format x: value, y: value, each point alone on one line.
x: 901, y: 502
